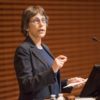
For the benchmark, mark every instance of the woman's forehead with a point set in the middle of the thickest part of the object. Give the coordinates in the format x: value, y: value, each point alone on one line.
x: 38, y: 15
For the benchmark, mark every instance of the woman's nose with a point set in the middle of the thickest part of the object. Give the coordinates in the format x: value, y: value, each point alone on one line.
x: 41, y: 23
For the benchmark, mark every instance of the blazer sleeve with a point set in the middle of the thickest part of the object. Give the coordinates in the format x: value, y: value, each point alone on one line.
x: 27, y: 81
x: 64, y: 83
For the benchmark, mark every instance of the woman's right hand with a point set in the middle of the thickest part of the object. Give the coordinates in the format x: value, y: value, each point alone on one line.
x: 59, y: 62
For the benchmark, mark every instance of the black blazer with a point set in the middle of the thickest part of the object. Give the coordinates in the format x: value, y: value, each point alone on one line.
x: 33, y: 72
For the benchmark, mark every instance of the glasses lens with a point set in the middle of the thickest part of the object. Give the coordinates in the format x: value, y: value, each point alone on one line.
x: 37, y: 21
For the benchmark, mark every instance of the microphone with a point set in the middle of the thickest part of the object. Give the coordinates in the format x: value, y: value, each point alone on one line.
x: 96, y: 39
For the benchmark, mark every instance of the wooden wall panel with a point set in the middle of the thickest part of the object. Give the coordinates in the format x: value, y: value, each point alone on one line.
x: 72, y: 25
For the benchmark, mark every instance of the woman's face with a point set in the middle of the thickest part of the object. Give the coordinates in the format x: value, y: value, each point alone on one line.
x: 37, y: 26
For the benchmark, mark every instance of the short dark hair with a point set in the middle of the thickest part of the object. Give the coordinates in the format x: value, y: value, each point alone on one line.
x: 28, y: 14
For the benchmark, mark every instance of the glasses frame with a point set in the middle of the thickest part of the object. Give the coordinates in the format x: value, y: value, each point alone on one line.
x: 37, y: 21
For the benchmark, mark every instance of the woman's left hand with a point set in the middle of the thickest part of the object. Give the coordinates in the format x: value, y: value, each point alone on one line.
x: 77, y: 80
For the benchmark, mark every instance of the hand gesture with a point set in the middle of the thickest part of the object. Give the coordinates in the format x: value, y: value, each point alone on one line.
x: 59, y: 62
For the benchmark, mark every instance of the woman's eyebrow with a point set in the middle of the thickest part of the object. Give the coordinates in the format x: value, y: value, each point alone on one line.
x: 38, y: 17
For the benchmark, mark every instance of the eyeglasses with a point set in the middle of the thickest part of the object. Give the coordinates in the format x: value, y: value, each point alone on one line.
x: 37, y: 21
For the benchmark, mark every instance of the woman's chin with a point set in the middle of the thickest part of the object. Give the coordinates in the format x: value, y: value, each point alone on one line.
x: 42, y: 35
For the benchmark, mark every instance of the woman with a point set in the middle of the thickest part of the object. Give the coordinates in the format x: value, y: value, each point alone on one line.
x: 36, y: 69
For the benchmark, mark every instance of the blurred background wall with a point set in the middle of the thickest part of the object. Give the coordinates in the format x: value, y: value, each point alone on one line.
x: 72, y: 25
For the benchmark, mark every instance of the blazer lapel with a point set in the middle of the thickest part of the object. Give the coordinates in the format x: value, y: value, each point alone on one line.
x: 37, y: 53
x: 47, y: 50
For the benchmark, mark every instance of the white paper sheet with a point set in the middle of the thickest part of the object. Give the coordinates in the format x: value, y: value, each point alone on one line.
x: 74, y: 84
x: 84, y: 98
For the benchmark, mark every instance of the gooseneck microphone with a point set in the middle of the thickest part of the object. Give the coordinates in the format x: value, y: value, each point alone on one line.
x: 96, y: 39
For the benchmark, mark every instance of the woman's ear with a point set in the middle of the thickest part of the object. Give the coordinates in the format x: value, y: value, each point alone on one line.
x: 27, y: 31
